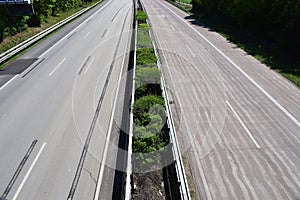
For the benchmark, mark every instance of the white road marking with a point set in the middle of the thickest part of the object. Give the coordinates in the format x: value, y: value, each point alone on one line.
x: 130, y: 135
x: 190, y: 50
x: 28, y: 172
x: 86, y: 35
x: 100, y: 176
x: 244, y: 126
x: 3, y: 86
x: 88, y: 67
x: 203, y: 177
x: 74, y: 30
x: 238, y: 68
x: 57, y: 66
x: 172, y: 27
x: 202, y: 174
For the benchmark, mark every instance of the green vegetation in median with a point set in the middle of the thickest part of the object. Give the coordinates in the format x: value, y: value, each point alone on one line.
x: 147, y: 75
x: 147, y: 81
x: 141, y: 108
x: 150, y: 134
x: 145, y: 57
x: 141, y: 16
x: 143, y: 38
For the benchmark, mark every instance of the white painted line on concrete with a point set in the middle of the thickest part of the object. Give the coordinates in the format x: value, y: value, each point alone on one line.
x: 57, y: 66
x: 11, y: 80
x: 85, y: 36
x: 244, y: 126
x: 100, y: 176
x: 190, y: 50
x: 130, y: 135
x: 29, y: 171
x: 203, y: 177
x: 74, y: 30
x: 172, y: 27
x: 89, y: 65
x: 184, y: 188
x: 238, y: 68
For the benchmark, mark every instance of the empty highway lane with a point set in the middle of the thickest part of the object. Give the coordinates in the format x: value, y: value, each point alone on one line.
x: 238, y: 121
x: 55, y: 119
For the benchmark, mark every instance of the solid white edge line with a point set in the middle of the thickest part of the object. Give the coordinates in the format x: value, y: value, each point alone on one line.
x: 29, y: 171
x: 3, y: 86
x: 57, y: 66
x: 129, y: 158
x: 75, y: 29
x: 242, y: 71
x: 244, y: 126
x: 89, y: 65
x: 99, y: 180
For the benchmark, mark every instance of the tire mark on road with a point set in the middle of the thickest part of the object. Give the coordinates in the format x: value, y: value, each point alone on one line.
x: 92, y: 127
x: 19, y: 169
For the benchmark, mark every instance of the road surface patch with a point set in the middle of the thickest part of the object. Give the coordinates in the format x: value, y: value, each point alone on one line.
x: 17, y: 66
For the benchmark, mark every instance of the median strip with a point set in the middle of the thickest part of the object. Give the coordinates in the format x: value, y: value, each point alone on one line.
x: 154, y: 160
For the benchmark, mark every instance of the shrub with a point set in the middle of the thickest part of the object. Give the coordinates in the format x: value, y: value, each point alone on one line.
x: 143, y: 38
x: 141, y: 16
x: 146, y: 57
x: 147, y: 75
x: 142, y: 107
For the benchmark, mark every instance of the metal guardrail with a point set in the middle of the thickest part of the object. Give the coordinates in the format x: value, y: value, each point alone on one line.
x: 181, y: 175
x: 20, y: 47
x: 184, y: 188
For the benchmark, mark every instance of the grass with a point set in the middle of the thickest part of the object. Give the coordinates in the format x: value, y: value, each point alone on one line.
x: 182, y: 4
x: 143, y: 38
x: 141, y: 16
x: 12, y: 41
x: 185, y: 1
x: 277, y: 59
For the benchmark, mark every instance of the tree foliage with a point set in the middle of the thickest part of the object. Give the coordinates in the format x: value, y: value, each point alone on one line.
x: 141, y: 16
x: 10, y: 25
x: 276, y: 20
x: 142, y: 107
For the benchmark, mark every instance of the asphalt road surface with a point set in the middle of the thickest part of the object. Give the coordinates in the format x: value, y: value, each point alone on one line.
x: 238, y: 121
x: 58, y: 110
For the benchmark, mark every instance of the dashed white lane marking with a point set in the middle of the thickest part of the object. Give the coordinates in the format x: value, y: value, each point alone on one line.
x: 239, y: 69
x: 28, y: 172
x: 244, y: 126
x: 57, y: 66
x: 85, y: 36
